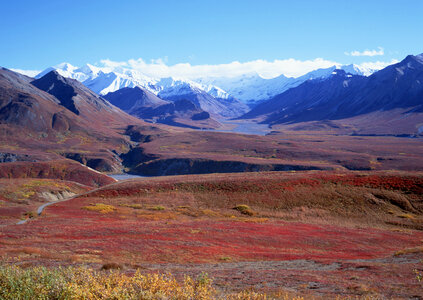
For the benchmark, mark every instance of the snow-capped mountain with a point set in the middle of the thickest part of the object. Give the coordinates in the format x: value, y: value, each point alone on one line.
x: 107, y: 80
x: 103, y: 80
x: 147, y: 106
x: 397, y: 89
x: 210, y: 98
x: 252, y: 88
x: 169, y: 87
x: 222, y: 96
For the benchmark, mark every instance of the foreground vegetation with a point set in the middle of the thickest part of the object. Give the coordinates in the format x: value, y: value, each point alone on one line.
x: 352, y: 234
x: 85, y: 283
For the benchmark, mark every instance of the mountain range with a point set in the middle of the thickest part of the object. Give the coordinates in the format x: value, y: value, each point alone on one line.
x: 103, y: 81
x: 335, y: 93
x: 145, y: 105
x: 224, y: 96
x: 395, y: 92
x: 53, y: 117
x: 253, y: 89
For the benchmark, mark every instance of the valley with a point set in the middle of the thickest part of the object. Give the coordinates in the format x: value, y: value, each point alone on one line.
x: 315, y: 191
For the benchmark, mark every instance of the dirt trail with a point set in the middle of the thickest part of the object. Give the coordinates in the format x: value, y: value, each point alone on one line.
x: 41, y: 208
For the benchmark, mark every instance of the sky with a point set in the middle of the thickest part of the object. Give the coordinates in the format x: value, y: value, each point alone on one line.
x: 267, y: 36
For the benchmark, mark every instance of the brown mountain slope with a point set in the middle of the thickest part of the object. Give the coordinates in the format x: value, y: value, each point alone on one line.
x: 37, y: 126
x: 66, y: 120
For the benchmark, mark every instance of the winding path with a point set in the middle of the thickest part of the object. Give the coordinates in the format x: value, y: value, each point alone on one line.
x: 42, y: 207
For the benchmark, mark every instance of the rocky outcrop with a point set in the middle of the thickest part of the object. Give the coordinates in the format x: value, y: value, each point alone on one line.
x: 106, y: 163
x: 12, y: 157
x: 58, y: 86
x: 181, y: 166
x: 135, y: 157
x: 201, y: 116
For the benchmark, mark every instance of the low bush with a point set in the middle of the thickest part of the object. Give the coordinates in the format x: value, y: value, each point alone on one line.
x: 244, y: 209
x: 100, y: 207
x: 85, y: 283
x: 134, y: 206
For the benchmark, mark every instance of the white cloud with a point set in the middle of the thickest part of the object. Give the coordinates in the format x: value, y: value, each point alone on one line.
x: 113, y: 64
x: 377, y: 65
x: 366, y: 52
x: 158, y: 68
x: 30, y: 73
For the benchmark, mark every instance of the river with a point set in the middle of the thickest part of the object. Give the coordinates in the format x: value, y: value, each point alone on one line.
x: 243, y: 127
x: 126, y: 176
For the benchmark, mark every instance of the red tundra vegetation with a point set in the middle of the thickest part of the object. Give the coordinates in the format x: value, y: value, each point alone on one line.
x: 55, y: 169
x: 20, y: 198
x: 326, y: 234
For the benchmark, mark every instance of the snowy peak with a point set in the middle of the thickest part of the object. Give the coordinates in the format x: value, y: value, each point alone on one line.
x: 358, y: 70
x: 88, y: 70
x: 249, y: 88
x: 169, y: 87
x: 66, y: 67
x: 344, y: 95
x: 105, y: 80
x: 252, y: 88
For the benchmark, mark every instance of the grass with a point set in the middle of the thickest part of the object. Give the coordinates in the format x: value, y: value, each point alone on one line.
x: 406, y: 216
x: 156, y: 216
x: 203, y: 222
x: 134, y: 206
x: 100, y: 207
x: 379, y: 199
x: 409, y: 251
x: 85, y: 283
x: 157, y: 207
x: 225, y: 258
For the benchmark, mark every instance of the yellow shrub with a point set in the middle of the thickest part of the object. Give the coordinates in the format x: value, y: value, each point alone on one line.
x: 100, y: 207
x: 85, y: 283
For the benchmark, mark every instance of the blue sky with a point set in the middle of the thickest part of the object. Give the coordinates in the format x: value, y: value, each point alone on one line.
x: 38, y: 34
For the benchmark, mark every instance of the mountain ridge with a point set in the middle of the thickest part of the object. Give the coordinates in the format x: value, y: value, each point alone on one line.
x: 340, y: 96
x: 249, y: 88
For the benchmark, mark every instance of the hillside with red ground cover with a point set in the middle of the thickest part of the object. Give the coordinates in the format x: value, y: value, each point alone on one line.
x: 20, y: 198
x: 88, y: 129
x: 350, y: 227
x: 348, y: 233
x: 63, y: 169
x: 191, y: 152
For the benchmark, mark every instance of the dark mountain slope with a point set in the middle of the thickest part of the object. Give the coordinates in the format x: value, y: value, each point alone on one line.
x: 147, y: 106
x: 24, y: 105
x: 80, y: 100
x: 130, y: 99
x: 341, y: 96
x: 302, y: 100
x: 217, y: 107
x: 70, y: 122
